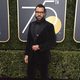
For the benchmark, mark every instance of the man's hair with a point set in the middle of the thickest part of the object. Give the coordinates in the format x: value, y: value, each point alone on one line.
x: 40, y: 5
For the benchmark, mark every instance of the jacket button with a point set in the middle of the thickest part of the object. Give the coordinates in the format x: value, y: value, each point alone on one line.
x: 37, y: 35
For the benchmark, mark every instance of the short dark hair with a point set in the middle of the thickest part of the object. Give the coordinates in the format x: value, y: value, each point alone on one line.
x: 40, y: 5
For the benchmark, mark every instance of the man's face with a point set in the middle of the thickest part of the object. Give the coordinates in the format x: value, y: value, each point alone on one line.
x: 39, y: 13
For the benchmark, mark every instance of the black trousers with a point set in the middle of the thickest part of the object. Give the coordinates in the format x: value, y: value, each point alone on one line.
x: 32, y: 68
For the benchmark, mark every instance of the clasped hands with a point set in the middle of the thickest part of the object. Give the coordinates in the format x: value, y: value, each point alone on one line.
x: 35, y: 47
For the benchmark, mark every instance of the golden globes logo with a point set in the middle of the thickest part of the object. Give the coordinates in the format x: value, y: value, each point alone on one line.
x: 56, y: 14
x: 52, y: 19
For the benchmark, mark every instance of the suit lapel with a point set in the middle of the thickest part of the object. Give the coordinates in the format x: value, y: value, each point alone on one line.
x: 42, y: 26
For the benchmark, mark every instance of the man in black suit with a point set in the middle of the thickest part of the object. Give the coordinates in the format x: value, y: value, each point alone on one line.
x: 41, y: 39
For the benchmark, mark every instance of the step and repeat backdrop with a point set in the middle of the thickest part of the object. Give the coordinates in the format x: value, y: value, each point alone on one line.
x: 56, y: 14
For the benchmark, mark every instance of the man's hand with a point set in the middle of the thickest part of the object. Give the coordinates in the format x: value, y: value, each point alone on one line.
x: 26, y: 59
x: 35, y: 47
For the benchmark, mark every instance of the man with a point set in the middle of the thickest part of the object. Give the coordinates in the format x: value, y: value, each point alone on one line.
x: 41, y: 39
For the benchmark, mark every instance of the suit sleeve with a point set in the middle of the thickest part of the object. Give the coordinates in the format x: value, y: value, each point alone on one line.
x: 28, y: 46
x: 50, y: 41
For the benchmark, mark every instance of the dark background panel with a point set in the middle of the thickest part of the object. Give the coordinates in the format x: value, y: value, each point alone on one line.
x: 4, y: 27
x: 77, y: 24
x: 59, y: 6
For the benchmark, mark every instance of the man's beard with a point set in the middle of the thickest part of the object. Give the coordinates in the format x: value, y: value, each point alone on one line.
x: 39, y: 18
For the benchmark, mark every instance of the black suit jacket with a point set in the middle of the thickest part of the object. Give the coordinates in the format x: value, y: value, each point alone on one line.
x: 45, y: 38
